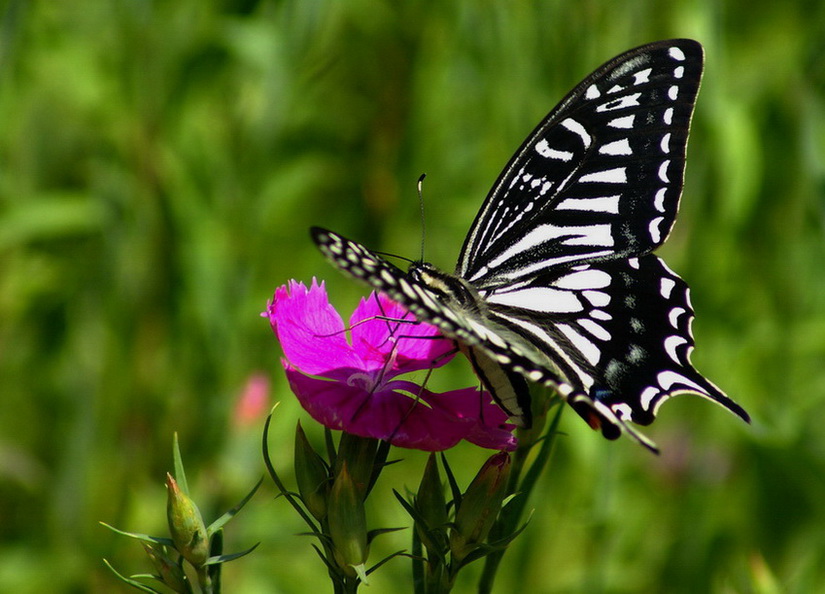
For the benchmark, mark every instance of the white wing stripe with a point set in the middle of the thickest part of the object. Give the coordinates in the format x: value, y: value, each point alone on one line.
x: 543, y: 148
x: 608, y: 176
x: 540, y: 299
x: 584, y: 279
x: 578, y: 129
x: 605, y: 204
x: 590, y: 351
x: 595, y: 329
x: 617, y: 147
x: 624, y: 122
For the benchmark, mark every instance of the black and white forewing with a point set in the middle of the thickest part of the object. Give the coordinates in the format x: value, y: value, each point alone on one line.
x: 599, y: 178
x: 620, y: 330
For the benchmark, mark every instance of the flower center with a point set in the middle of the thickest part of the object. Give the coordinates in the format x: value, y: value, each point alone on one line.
x: 363, y: 381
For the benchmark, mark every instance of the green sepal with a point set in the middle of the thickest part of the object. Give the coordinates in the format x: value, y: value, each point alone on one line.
x: 186, y: 524
x: 312, y: 474
x: 347, y: 521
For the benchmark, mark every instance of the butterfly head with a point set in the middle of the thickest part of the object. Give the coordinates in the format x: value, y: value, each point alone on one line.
x: 448, y: 287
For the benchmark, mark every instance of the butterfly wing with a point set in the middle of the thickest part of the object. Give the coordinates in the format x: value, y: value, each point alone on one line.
x: 599, y: 178
x: 618, y: 329
x: 559, y: 246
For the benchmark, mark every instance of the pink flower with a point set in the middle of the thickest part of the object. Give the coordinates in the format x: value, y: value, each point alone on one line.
x: 253, y: 401
x: 351, y: 386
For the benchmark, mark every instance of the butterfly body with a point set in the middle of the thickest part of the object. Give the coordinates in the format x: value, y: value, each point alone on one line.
x: 555, y: 282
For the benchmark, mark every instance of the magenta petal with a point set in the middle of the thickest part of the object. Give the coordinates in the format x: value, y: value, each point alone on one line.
x: 329, y: 402
x: 310, y: 331
x: 401, y: 413
x: 488, y: 427
x: 387, y: 415
x: 493, y: 437
x: 414, y: 345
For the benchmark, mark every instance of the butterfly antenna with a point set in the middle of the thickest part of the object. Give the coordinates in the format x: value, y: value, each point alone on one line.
x: 421, y: 204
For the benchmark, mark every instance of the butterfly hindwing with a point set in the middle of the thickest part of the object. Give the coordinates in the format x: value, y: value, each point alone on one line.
x: 621, y: 329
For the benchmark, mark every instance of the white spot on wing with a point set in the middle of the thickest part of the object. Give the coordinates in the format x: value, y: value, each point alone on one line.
x: 622, y: 410
x: 598, y: 299
x: 617, y: 147
x: 583, y: 345
x: 600, y: 314
x: 624, y: 122
x: 585, y: 279
x: 653, y: 229
x: 673, y: 92
x: 676, y: 53
x: 663, y: 171
x: 608, y: 176
x: 668, y: 116
x: 595, y: 329
x: 577, y: 128
x: 659, y: 199
x: 666, y: 287
x: 641, y: 77
x: 542, y: 299
x: 608, y: 204
x: 592, y: 92
x: 668, y: 378
x: 674, y: 315
x: 665, y: 143
x: 679, y: 72
x: 671, y: 344
x: 543, y: 148
x: 647, y: 396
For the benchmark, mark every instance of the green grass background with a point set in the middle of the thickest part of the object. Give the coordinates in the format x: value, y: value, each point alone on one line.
x: 160, y: 163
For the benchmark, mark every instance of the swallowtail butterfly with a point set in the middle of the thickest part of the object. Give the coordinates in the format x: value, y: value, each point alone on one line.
x: 556, y: 282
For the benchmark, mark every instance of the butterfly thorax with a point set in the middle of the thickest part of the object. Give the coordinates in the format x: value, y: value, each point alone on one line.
x: 448, y: 287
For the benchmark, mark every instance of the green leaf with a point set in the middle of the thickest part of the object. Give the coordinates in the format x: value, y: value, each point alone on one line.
x: 180, y: 475
x: 230, y: 557
x: 293, y: 501
x: 144, y: 537
x: 454, y: 488
x: 135, y: 584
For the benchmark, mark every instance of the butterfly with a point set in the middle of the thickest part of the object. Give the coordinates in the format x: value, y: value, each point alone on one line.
x: 556, y: 283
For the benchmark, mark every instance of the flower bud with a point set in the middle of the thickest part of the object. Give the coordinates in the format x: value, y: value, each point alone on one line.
x: 347, y: 522
x: 480, y: 506
x: 359, y: 455
x: 186, y: 525
x: 170, y: 572
x: 432, y: 507
x: 312, y: 476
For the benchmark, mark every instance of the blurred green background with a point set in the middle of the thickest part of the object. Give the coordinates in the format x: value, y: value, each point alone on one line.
x: 160, y: 163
